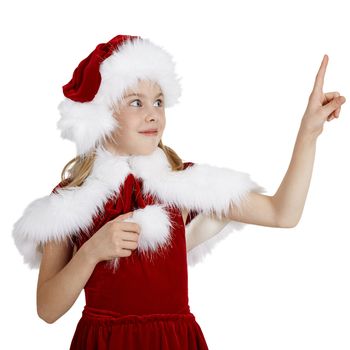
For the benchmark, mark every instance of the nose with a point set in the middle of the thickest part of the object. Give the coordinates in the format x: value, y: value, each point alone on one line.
x: 152, y: 114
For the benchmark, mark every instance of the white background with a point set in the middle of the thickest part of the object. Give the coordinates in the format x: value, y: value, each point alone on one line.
x: 247, y: 71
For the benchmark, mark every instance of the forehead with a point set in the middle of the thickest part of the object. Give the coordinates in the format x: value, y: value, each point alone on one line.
x: 143, y: 86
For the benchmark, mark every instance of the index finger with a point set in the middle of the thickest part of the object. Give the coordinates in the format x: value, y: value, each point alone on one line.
x: 319, y: 81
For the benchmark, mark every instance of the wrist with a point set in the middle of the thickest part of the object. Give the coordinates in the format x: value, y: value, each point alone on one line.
x: 87, y: 252
x: 307, y: 134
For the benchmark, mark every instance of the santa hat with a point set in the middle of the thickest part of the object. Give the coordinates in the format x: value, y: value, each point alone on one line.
x: 101, y: 80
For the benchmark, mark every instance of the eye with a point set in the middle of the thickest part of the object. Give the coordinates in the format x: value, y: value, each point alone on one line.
x: 131, y: 104
x: 161, y: 101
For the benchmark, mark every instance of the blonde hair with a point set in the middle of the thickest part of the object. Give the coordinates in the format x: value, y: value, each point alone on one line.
x: 79, y: 168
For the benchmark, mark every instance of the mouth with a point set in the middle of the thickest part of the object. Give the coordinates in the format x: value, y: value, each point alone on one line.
x: 149, y: 132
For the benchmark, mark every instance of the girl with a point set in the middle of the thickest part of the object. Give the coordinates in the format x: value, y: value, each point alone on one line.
x: 130, y: 215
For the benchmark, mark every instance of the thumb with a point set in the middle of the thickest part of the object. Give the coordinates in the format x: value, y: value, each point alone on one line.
x: 123, y: 216
x: 332, y: 105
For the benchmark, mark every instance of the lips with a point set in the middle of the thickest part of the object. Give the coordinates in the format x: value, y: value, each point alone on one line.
x: 150, y: 132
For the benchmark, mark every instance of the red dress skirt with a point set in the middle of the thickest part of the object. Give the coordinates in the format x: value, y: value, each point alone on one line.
x: 144, y: 303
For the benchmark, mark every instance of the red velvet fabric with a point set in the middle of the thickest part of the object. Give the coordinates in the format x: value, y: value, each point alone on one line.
x: 144, y: 304
x: 86, y: 77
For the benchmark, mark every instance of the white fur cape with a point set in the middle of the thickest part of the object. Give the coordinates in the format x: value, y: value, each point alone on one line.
x: 204, y: 188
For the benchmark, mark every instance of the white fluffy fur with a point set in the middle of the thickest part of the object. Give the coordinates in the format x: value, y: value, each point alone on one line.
x: 201, y: 187
x: 89, y: 123
x: 155, y: 227
x: 85, y: 123
x: 205, y: 188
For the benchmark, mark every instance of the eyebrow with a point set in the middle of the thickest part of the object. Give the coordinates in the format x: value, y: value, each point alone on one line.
x: 142, y: 95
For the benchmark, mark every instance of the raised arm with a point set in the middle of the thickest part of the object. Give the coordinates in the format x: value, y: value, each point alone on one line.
x: 285, y: 208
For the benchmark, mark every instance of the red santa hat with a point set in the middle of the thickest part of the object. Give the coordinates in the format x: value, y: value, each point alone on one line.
x: 101, y: 80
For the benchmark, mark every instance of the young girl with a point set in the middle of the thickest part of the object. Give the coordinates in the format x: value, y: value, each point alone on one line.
x: 130, y: 216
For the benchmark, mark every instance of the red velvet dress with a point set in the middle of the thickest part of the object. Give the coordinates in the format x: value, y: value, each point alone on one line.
x: 144, y: 303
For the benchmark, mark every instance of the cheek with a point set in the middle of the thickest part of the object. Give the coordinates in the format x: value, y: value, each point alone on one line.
x: 127, y: 123
x: 162, y: 120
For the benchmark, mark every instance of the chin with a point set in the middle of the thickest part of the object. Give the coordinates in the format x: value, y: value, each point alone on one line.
x: 146, y: 150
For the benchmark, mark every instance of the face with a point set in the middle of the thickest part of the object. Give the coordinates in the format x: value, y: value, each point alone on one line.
x: 141, y: 108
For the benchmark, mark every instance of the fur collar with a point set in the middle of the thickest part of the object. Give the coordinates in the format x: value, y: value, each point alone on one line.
x: 202, y: 188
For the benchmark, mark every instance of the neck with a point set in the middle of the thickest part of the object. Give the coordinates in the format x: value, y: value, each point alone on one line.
x: 111, y: 148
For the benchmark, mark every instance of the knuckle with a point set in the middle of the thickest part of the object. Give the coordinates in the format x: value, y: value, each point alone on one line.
x: 136, y: 227
x: 116, y: 241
